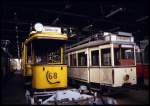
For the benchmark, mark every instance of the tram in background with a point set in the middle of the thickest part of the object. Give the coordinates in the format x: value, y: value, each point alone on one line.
x: 142, y: 64
x: 106, y: 64
x: 43, y: 58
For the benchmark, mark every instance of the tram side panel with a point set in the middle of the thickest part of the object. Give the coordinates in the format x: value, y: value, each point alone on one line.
x: 115, y: 77
x: 95, y: 75
x: 124, y: 76
x: 79, y: 73
x: 107, y: 75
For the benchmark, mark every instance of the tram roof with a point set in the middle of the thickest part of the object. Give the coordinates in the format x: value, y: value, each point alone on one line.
x: 46, y: 35
x: 95, y: 43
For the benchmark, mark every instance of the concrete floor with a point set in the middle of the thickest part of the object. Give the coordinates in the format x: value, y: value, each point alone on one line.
x: 13, y: 93
x: 135, y: 97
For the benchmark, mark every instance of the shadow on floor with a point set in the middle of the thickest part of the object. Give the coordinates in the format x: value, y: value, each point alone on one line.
x: 12, y: 90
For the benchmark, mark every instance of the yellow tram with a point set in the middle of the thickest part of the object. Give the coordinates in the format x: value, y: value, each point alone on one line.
x: 43, y: 58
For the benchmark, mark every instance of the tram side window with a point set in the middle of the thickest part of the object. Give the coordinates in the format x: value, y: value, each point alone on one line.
x: 117, y: 56
x: 73, y: 60
x: 29, y: 59
x: 95, y: 58
x: 105, y: 57
x: 82, y: 59
x: 66, y: 59
x: 138, y: 58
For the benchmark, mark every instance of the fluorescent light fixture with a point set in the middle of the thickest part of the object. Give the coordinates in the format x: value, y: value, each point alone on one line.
x: 87, y: 27
x: 143, y: 18
x: 114, y: 12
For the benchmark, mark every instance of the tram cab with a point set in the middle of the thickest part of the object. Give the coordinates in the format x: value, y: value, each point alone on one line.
x: 43, y: 58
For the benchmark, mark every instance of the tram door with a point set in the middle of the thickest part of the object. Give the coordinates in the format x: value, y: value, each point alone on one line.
x: 100, y: 65
x: 94, y: 68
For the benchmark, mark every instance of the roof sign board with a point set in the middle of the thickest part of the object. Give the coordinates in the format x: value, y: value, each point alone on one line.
x: 123, y: 37
x: 51, y: 29
x: 124, y: 33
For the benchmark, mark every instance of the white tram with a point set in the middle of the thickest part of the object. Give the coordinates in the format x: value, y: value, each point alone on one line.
x: 108, y: 62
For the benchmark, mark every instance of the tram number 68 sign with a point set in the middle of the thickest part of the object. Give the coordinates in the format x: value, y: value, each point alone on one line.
x: 51, y: 75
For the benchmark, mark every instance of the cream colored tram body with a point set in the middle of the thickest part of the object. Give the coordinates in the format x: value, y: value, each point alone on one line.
x: 109, y: 62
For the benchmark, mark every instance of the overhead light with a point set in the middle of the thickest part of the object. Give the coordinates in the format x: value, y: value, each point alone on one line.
x: 38, y: 27
x: 87, y: 27
x: 114, y: 12
x: 143, y: 18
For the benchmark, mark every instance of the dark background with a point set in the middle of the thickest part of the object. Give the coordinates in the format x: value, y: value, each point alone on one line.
x: 132, y: 17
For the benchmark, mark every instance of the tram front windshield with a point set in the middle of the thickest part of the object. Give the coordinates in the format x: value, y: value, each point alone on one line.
x: 124, y: 56
x: 47, y: 51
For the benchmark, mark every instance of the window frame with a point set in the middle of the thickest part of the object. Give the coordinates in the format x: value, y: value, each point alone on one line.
x: 110, y: 57
x: 85, y: 52
x: 71, y: 54
x: 122, y: 60
x: 92, y: 50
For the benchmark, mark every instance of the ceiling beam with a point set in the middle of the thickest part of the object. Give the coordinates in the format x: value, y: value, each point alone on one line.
x: 88, y: 17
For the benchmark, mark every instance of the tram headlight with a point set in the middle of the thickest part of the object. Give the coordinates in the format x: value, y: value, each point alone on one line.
x: 38, y: 27
x: 126, y: 78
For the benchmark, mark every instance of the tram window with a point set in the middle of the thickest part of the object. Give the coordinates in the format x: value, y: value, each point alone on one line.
x: 116, y: 56
x: 138, y: 57
x: 66, y: 59
x: 127, y: 53
x: 46, y: 53
x: 73, y: 60
x: 38, y: 59
x: 95, y: 58
x: 54, y: 55
x: 123, y: 56
x: 29, y: 59
x: 105, y: 57
x: 82, y: 59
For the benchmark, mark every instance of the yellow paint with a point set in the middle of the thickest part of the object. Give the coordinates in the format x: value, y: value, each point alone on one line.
x: 28, y: 70
x: 43, y: 76
x: 47, y: 35
x: 62, y: 55
x: 45, y: 79
x: 24, y: 59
